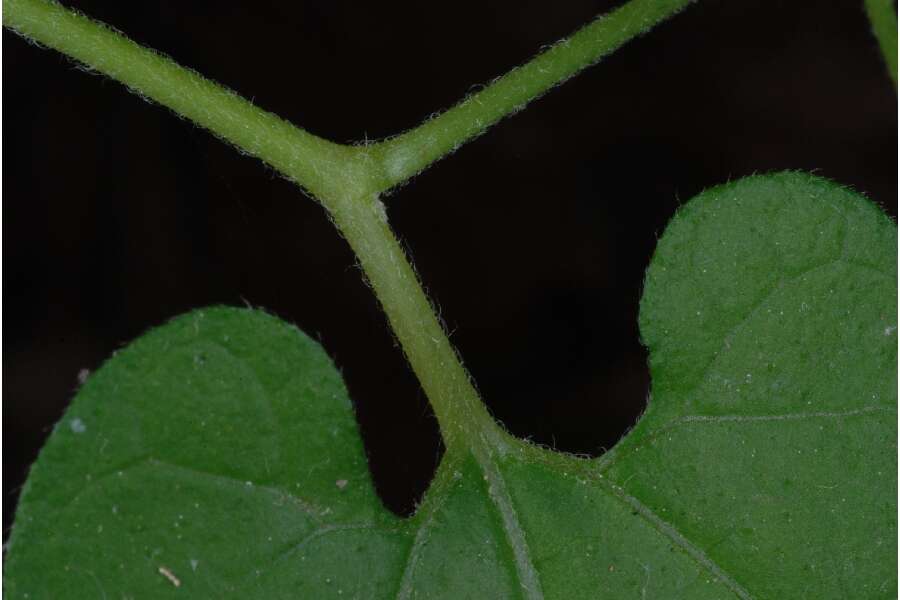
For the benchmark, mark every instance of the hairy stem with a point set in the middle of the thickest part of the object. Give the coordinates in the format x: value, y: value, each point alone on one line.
x: 310, y: 161
x: 456, y: 404
x: 884, y: 25
x: 411, y: 152
x: 348, y: 180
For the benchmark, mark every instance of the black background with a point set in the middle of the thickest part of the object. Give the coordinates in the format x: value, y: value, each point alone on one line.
x: 532, y: 240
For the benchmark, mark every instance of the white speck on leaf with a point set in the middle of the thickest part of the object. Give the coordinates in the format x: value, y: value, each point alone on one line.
x: 170, y: 576
x: 341, y: 483
x: 77, y: 425
x: 889, y: 330
x: 83, y: 375
x: 194, y: 563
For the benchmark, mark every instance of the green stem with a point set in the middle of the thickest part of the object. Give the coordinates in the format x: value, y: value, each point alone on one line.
x: 310, y: 161
x: 884, y: 25
x: 456, y: 404
x: 411, y: 152
x: 347, y: 180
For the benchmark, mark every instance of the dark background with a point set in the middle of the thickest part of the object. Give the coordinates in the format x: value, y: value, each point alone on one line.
x: 532, y: 239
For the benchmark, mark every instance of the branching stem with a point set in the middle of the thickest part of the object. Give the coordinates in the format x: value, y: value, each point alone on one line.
x: 347, y: 180
x: 413, y: 151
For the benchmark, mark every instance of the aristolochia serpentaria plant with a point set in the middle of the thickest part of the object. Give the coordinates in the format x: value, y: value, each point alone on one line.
x: 218, y: 456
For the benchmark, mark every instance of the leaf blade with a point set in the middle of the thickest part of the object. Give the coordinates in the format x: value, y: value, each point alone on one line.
x: 778, y: 485
x: 795, y: 356
x: 223, y: 438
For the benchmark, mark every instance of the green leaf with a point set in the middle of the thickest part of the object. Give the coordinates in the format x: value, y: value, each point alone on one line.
x: 220, y: 451
x: 221, y: 447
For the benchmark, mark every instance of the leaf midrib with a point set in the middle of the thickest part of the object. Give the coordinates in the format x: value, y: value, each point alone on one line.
x: 528, y: 576
x: 483, y: 440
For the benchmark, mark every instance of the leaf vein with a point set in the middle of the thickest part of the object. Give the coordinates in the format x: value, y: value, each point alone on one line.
x: 415, y: 549
x: 614, y: 458
x: 668, y: 530
x: 528, y: 576
x: 321, y: 532
x: 305, y: 505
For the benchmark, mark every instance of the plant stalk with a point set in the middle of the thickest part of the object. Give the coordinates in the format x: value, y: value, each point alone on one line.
x: 347, y: 180
x: 409, y: 153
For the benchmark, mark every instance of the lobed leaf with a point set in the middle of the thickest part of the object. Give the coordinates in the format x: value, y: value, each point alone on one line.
x: 218, y: 456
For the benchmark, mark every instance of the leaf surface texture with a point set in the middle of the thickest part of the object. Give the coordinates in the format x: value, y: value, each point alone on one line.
x: 218, y: 455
